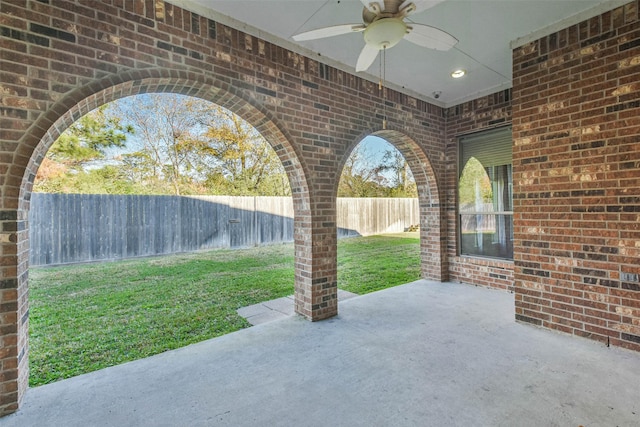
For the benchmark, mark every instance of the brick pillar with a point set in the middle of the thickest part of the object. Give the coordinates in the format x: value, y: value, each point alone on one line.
x: 14, y: 324
x: 316, y: 286
x: 433, y: 240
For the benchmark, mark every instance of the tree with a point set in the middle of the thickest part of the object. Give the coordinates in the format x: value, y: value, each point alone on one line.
x: 360, y: 176
x: 198, y: 147
x: 83, y: 143
x: 402, y: 183
x: 165, y: 128
x: 178, y: 145
x: 87, y: 139
x: 243, y: 161
x: 368, y: 175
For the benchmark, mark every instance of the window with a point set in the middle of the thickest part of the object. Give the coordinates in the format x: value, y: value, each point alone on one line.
x: 485, y: 194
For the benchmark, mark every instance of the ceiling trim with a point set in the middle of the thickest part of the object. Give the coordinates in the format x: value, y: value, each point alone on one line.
x: 568, y: 22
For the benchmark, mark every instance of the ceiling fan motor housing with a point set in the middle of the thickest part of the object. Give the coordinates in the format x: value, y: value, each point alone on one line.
x: 385, y: 32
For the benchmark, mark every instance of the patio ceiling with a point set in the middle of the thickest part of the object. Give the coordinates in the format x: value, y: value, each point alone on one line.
x: 486, y: 29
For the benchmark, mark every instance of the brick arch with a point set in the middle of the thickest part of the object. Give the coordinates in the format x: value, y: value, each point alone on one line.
x: 68, y: 110
x: 37, y: 141
x: 432, y: 225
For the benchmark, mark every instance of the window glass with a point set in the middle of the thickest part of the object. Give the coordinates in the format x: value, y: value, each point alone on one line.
x: 485, y: 195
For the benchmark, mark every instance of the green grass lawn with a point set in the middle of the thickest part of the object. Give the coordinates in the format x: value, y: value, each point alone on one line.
x: 368, y: 264
x: 90, y: 316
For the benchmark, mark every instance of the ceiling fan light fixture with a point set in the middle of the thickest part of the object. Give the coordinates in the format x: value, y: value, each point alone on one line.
x: 456, y: 74
x: 385, y: 33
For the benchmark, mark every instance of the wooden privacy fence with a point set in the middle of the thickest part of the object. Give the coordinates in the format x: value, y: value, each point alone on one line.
x: 70, y: 228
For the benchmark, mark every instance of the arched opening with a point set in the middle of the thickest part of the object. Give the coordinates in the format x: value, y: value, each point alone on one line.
x: 377, y: 208
x: 431, y: 225
x: 68, y: 110
x: 161, y: 175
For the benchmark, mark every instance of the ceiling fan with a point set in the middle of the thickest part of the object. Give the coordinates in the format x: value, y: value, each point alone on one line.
x: 384, y: 26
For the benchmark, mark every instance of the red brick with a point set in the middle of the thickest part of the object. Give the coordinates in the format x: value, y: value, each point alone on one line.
x: 597, y: 178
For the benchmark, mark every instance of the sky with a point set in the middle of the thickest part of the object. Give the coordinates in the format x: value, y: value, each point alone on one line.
x: 374, y: 147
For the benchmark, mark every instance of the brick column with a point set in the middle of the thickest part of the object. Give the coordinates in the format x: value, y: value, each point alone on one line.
x: 316, y: 286
x: 433, y: 249
x: 14, y: 324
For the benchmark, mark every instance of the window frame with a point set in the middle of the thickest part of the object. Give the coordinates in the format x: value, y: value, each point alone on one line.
x: 503, y: 136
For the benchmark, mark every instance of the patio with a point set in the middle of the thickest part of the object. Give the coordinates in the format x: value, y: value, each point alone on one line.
x: 421, y: 354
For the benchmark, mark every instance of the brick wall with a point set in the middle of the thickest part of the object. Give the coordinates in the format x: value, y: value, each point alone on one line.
x: 60, y: 59
x: 576, y: 128
x: 480, y: 114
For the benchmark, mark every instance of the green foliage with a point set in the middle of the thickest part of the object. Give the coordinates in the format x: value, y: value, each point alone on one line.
x: 86, y: 139
x: 364, y: 176
x: 181, y: 145
x: 191, y: 146
x: 359, y: 175
x: 90, y: 316
x: 66, y: 168
x: 106, y: 180
x: 174, y: 144
x: 402, y: 183
x: 474, y: 178
x: 243, y: 161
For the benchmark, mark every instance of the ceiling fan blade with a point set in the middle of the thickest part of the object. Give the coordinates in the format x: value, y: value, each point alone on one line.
x: 335, y: 30
x: 421, y: 5
x: 366, y: 58
x: 430, y: 37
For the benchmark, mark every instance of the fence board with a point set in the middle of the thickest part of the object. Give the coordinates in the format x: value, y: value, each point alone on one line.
x: 69, y: 228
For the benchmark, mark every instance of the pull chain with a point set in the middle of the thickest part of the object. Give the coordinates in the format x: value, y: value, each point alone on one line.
x: 383, y: 77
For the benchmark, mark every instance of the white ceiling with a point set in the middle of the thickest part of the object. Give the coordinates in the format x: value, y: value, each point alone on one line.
x: 486, y: 30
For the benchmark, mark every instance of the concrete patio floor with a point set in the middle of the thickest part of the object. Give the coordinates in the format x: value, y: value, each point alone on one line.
x: 277, y: 309
x: 421, y: 354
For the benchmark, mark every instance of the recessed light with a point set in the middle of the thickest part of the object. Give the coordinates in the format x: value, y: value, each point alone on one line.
x: 456, y: 74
